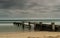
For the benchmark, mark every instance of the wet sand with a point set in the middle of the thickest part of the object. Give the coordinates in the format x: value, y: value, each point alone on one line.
x: 41, y: 34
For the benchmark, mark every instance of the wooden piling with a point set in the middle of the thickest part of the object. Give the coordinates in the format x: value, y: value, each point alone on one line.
x: 29, y: 25
x: 34, y: 26
x: 53, y: 26
x: 40, y: 23
x: 23, y: 25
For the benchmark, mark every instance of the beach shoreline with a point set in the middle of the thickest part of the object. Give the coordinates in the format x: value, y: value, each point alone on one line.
x: 41, y: 34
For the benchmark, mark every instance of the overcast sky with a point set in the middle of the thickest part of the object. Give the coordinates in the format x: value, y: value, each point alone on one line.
x: 29, y: 8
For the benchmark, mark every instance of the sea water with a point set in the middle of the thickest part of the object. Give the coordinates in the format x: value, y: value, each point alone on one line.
x: 10, y: 27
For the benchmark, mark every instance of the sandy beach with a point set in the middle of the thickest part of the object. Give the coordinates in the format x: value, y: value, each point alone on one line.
x: 41, y: 34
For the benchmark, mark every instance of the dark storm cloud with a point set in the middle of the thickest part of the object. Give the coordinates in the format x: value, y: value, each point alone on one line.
x: 5, y: 4
x: 16, y: 4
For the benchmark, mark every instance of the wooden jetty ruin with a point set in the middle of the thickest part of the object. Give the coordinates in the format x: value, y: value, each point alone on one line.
x: 38, y: 26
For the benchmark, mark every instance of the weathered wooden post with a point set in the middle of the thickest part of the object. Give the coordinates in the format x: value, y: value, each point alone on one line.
x: 29, y: 25
x: 34, y: 26
x: 40, y: 23
x: 53, y: 26
x: 18, y: 24
x: 23, y: 25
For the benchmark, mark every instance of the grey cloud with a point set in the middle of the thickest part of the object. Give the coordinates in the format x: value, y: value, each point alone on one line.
x: 30, y: 8
x: 4, y: 4
x: 26, y: 4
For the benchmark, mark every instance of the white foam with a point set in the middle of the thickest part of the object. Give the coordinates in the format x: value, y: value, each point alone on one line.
x: 6, y: 24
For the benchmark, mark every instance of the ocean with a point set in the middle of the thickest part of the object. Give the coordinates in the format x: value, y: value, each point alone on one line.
x: 10, y: 27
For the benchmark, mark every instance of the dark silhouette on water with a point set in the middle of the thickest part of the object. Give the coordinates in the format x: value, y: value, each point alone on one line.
x: 17, y: 23
x: 38, y: 26
x: 23, y: 25
x: 40, y: 23
x: 53, y: 26
x: 29, y: 25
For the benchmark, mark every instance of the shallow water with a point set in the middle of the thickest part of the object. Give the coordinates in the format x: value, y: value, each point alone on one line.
x: 9, y: 27
x: 12, y: 28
